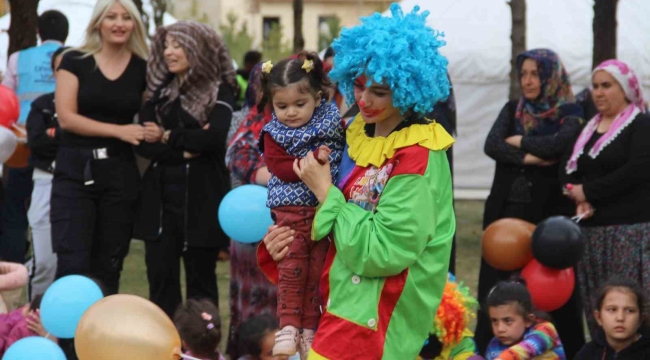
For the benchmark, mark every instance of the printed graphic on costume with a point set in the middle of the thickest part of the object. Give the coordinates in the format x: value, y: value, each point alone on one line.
x: 367, y: 190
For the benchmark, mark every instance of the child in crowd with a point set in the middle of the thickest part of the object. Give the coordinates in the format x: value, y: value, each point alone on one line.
x: 451, y: 338
x: 257, y: 338
x: 21, y: 323
x: 621, y: 315
x: 518, y: 333
x: 199, y: 325
x: 303, y: 121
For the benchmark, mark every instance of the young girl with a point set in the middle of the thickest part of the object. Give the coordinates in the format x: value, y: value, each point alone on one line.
x: 257, y: 338
x: 621, y: 316
x: 199, y: 325
x: 303, y: 121
x: 518, y: 334
x: 21, y: 323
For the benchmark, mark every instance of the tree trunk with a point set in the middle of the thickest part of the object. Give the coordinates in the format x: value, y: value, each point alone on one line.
x: 604, y: 31
x: 298, y: 40
x: 143, y: 15
x: 159, y: 9
x: 518, y: 38
x: 24, y: 24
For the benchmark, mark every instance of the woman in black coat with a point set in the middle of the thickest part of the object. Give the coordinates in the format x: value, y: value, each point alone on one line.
x: 527, y: 140
x: 186, y: 116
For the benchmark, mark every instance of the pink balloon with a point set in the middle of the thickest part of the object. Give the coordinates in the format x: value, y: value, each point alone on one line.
x: 549, y: 288
x: 9, y: 107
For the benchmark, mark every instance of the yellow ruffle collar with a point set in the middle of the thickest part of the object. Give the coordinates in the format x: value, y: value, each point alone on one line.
x: 365, y: 150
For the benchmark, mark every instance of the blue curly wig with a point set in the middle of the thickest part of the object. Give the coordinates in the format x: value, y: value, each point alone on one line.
x: 399, y: 51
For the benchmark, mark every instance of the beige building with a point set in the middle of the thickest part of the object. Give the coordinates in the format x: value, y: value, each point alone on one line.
x: 260, y: 15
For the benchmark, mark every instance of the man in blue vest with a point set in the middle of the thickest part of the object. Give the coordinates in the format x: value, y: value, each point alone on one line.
x: 29, y: 74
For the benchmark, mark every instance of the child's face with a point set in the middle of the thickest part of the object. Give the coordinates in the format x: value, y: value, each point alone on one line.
x: 508, y: 325
x: 267, y: 347
x: 293, y: 107
x: 619, y: 315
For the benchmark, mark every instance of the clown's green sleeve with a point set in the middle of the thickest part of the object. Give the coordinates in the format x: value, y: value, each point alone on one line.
x: 388, y: 241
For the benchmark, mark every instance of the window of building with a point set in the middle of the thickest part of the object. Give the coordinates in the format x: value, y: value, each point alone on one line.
x: 269, y: 24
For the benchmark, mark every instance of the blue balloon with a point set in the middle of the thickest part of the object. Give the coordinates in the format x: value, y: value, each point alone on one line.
x: 34, y: 347
x: 243, y: 214
x: 65, y: 301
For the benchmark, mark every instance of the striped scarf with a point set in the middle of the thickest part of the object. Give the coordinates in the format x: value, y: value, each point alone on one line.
x: 209, y: 65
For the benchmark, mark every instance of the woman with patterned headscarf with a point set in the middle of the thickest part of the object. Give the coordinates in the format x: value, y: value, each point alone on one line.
x: 527, y: 141
x: 608, y: 178
x: 186, y: 116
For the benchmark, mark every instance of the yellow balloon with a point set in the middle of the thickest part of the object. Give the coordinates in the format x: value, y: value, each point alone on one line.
x: 126, y: 327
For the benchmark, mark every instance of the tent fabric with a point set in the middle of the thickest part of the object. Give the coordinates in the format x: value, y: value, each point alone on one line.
x: 478, y: 49
x: 78, y: 12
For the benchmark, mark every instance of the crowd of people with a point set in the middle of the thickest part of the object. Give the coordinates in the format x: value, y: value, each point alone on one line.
x: 136, y: 140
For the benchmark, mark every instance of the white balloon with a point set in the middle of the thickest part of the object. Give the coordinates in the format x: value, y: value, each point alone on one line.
x: 8, y: 143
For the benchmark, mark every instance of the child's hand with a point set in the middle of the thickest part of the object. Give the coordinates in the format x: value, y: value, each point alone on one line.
x: 322, y: 154
x: 34, y: 323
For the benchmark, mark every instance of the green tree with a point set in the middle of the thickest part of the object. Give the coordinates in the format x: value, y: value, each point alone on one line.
x: 194, y: 13
x: 239, y: 41
x: 274, y: 48
x: 329, y: 31
x: 236, y: 38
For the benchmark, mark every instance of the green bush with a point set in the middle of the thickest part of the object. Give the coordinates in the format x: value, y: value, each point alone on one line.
x: 239, y: 41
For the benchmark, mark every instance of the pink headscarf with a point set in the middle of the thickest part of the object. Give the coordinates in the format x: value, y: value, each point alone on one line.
x: 630, y: 85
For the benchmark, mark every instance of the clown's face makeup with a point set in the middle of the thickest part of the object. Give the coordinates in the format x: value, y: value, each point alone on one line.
x: 376, y: 103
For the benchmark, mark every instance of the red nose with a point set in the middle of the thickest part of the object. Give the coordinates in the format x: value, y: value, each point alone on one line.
x: 362, y: 103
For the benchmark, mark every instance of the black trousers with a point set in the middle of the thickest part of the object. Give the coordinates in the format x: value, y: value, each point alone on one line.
x: 163, y: 256
x: 92, y: 224
x: 567, y: 319
x: 13, y: 237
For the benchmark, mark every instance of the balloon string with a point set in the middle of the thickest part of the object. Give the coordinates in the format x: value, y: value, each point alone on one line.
x: 19, y: 129
x: 189, y: 357
x: 578, y: 218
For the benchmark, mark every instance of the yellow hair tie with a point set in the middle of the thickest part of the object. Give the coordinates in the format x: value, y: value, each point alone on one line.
x: 308, y: 66
x: 267, y: 66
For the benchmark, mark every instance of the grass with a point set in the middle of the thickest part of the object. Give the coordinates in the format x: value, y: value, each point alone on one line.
x: 134, y: 281
x: 468, y: 235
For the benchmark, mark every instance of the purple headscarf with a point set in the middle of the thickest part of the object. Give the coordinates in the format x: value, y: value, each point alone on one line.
x: 626, y: 77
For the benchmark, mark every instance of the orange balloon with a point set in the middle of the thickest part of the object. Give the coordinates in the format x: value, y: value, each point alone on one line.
x: 506, y: 244
x: 126, y: 327
x: 20, y: 157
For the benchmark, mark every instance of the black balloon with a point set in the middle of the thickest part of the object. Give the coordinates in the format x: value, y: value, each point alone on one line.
x: 558, y: 242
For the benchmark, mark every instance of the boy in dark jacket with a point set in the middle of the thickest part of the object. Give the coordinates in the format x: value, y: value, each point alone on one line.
x: 43, y: 134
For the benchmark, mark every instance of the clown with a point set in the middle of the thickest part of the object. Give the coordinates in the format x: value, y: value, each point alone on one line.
x: 389, y: 215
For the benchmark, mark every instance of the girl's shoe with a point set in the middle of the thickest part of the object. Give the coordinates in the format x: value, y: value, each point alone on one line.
x: 286, y: 341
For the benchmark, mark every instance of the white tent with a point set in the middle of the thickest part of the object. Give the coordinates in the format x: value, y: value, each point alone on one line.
x: 78, y: 13
x: 478, y: 49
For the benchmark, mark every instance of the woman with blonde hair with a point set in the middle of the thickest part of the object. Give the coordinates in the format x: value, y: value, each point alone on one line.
x: 95, y: 185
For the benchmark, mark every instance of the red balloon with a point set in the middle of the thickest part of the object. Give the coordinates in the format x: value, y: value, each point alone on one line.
x: 549, y: 288
x: 9, y: 107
